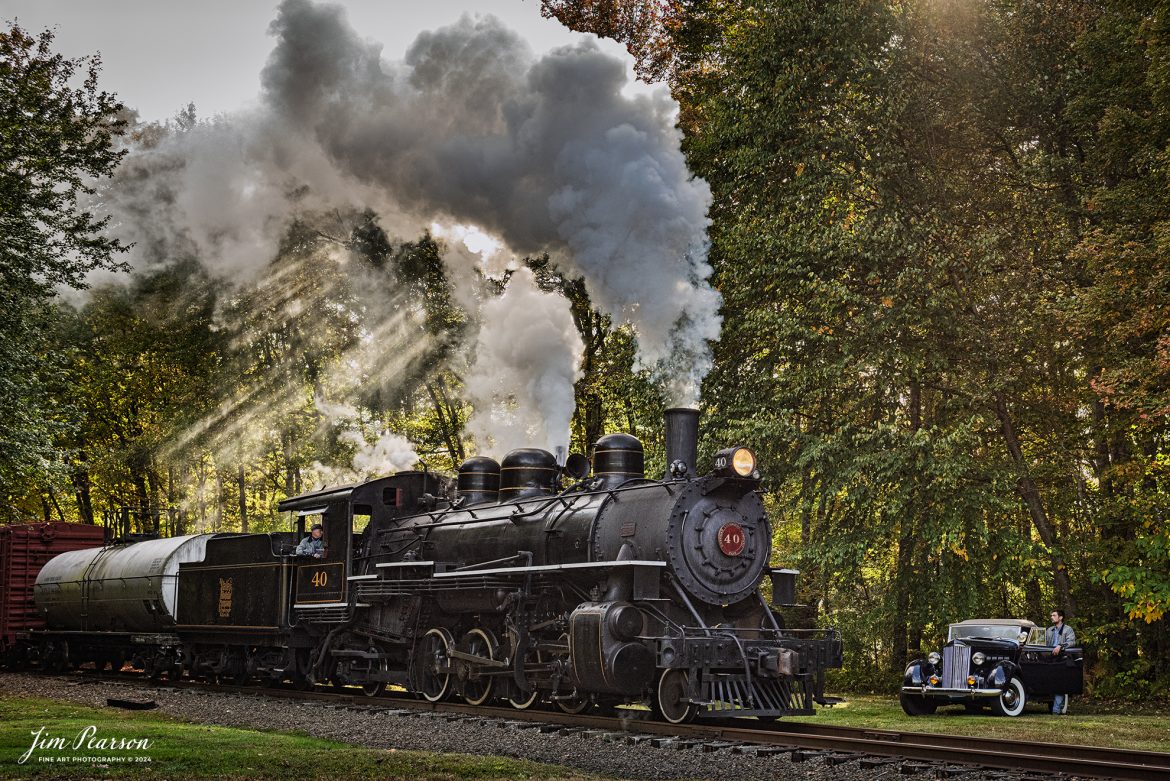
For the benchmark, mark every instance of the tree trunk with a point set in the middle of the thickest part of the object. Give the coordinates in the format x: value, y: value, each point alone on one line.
x: 904, y: 573
x: 594, y: 419
x: 56, y: 505
x: 452, y: 414
x: 902, y: 583
x: 177, y: 525
x: 157, y: 511
x: 290, y: 486
x: 143, y: 497
x: 805, y: 507
x: 243, y: 486
x: 454, y: 446
x: 1101, y: 447
x: 220, y: 505
x: 81, y: 482
x: 1035, y: 504
x: 201, y: 492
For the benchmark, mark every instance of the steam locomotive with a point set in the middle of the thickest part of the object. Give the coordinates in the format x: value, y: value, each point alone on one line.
x: 529, y: 581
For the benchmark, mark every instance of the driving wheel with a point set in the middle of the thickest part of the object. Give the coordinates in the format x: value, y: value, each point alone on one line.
x: 474, y: 685
x: 430, y: 673
x: 522, y: 701
x: 575, y: 704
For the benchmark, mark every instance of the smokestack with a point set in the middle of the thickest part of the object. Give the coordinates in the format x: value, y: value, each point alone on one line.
x: 682, y: 440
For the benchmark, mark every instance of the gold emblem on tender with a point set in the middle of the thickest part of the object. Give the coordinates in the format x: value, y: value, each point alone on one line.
x: 225, y: 597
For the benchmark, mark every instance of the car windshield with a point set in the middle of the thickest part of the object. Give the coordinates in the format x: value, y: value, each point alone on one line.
x: 985, y: 631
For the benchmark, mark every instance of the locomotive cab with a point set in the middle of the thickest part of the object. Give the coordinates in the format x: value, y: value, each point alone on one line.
x: 349, y: 515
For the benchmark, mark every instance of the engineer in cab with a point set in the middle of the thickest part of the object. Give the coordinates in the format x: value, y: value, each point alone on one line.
x: 313, y: 545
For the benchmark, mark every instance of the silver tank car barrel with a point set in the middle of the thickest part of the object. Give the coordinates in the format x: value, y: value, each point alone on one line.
x: 122, y: 588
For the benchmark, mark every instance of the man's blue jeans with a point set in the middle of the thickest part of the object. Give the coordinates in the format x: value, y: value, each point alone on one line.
x: 1060, y: 703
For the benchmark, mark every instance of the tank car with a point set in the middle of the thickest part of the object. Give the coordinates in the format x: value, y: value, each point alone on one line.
x: 113, y: 604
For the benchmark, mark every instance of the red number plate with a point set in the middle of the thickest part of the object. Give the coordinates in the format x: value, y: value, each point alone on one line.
x: 731, y: 539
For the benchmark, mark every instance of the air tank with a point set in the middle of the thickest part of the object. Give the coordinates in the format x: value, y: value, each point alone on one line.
x: 122, y: 588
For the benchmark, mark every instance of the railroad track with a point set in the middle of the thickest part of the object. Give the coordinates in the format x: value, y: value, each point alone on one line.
x: 905, y: 752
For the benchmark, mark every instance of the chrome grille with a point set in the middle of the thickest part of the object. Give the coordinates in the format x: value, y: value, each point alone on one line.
x: 956, y: 665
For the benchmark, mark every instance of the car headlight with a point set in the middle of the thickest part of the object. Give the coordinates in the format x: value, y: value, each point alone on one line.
x: 978, y: 658
x: 736, y: 462
x: 933, y: 657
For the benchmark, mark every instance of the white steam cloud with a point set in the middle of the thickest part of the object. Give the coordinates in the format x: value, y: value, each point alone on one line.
x: 386, y: 453
x: 525, y: 366
x: 470, y: 129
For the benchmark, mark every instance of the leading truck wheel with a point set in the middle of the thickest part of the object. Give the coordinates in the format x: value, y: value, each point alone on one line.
x: 575, y: 704
x: 671, y: 700
x: 429, y: 673
x: 1011, y: 701
x: 916, y: 704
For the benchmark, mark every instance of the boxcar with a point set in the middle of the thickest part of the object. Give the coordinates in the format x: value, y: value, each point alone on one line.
x: 24, y: 549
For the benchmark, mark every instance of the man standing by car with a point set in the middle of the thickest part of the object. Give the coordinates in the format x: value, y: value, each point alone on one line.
x: 1060, y: 637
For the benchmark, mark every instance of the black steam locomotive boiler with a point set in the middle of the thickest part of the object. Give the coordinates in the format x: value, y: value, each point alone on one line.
x: 502, y: 585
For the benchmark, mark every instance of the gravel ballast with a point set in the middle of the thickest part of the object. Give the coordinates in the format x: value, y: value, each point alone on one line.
x: 435, y: 732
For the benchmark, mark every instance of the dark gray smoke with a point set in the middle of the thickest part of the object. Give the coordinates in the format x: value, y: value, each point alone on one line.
x: 546, y: 153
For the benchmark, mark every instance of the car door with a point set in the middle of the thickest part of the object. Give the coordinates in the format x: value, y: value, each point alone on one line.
x: 1046, y: 673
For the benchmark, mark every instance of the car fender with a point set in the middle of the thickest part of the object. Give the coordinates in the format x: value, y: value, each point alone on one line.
x: 1002, y: 673
x: 917, y: 673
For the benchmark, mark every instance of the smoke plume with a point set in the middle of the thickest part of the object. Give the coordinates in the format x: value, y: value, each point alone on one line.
x: 547, y: 153
x: 471, y: 128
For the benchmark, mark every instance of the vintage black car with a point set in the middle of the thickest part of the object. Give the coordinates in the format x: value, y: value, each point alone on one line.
x: 1001, y: 663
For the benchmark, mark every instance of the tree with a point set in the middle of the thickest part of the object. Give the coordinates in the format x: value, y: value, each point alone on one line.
x: 56, y: 139
x: 648, y: 28
x: 938, y: 228
x: 1123, y: 311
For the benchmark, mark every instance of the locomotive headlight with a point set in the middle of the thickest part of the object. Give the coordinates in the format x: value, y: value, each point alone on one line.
x: 736, y: 462
x: 978, y: 658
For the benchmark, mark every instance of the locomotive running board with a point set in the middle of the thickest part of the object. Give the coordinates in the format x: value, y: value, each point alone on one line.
x: 550, y: 568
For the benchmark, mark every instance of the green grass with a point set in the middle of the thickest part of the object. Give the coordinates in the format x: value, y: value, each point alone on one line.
x: 191, y: 751
x: 183, y: 751
x: 1088, y: 723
